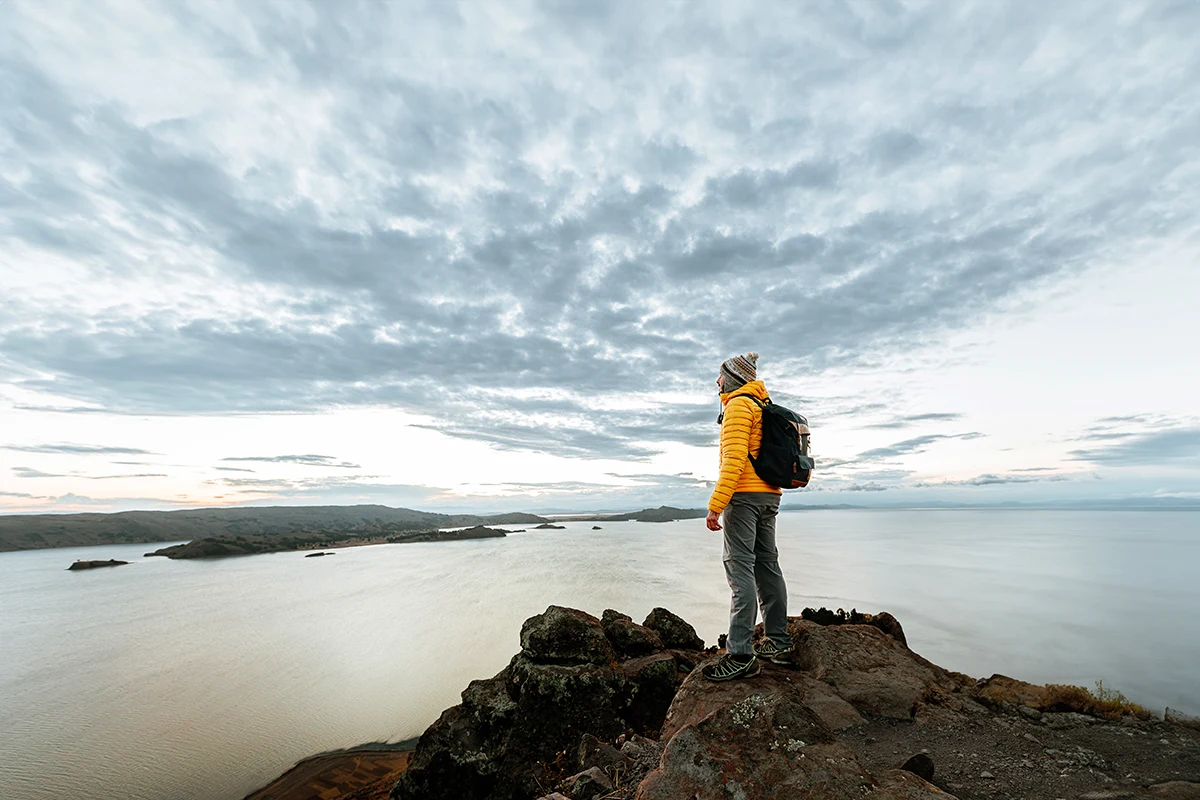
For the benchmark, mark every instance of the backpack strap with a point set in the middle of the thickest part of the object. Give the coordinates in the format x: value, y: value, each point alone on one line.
x: 721, y: 416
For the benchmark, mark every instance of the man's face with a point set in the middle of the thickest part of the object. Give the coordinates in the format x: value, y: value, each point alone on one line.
x: 721, y: 381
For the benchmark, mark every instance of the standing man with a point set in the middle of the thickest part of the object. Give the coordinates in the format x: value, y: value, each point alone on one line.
x: 750, y: 506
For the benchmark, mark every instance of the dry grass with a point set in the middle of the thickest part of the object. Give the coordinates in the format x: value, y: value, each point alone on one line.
x: 1099, y: 702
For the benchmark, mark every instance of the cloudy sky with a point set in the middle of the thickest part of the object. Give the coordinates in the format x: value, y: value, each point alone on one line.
x: 490, y: 255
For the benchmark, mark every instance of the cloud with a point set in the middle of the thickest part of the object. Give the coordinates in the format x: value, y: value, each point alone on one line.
x: 915, y: 445
x: 77, y: 449
x: 29, y: 472
x: 306, y: 460
x: 990, y: 479
x: 1177, y: 446
x: 593, y: 209
x: 913, y: 419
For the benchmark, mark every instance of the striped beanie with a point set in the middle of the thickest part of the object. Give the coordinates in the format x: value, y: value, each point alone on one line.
x: 740, y: 370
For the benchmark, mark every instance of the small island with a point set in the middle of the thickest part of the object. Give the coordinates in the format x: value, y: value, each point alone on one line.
x: 112, y: 562
x: 547, y: 526
x: 214, y: 546
x: 320, y: 553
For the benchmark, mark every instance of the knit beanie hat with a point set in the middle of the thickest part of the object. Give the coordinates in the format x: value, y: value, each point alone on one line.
x: 740, y: 370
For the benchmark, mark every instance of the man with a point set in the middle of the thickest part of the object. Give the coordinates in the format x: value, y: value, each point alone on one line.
x: 750, y: 506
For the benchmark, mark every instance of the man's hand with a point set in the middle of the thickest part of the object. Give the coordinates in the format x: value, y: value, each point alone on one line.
x: 713, y: 521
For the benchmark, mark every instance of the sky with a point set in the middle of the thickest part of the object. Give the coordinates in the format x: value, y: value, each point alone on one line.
x: 489, y: 256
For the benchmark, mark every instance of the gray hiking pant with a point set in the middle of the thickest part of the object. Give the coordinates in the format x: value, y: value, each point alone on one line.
x: 752, y: 567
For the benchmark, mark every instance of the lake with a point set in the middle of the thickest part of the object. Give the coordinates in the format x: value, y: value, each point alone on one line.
x: 206, y: 679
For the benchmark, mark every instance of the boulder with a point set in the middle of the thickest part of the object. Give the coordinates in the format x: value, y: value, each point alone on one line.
x: 627, y: 637
x: 867, y: 668
x: 751, y: 739
x: 589, y: 784
x: 884, y: 621
x: 565, y: 636
x: 1001, y: 691
x: 522, y: 729
x: 652, y: 683
x: 673, y: 631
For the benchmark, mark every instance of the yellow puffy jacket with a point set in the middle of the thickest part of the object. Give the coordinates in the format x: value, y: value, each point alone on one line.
x: 741, y: 436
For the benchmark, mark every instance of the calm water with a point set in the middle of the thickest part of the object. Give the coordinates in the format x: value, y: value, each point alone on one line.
x: 206, y: 679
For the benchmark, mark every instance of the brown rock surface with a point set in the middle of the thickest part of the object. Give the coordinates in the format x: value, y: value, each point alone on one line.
x: 854, y: 704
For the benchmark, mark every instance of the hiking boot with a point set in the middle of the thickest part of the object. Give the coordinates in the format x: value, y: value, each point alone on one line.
x: 728, y: 668
x: 772, y: 652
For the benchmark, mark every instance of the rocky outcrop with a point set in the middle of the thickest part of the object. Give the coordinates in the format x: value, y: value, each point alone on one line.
x: 605, y: 708
x: 518, y: 734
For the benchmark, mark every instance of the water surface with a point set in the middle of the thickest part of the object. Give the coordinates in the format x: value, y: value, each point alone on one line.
x: 206, y: 679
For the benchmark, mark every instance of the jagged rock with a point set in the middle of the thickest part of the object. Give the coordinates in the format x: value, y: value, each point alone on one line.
x: 920, y: 765
x: 589, y: 783
x: 869, y: 669
x: 653, y: 681
x: 597, y: 528
x: 627, y: 637
x: 884, y: 621
x: 509, y: 735
x: 757, y: 741
x: 565, y: 636
x: 674, y: 632
x: 554, y: 796
x: 594, y: 753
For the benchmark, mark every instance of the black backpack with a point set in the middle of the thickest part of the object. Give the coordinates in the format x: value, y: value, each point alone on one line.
x: 783, y: 459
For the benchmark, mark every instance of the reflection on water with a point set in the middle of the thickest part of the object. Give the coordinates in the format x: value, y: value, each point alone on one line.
x: 206, y: 679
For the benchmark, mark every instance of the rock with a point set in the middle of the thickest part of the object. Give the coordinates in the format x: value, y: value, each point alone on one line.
x: 921, y: 765
x: 868, y: 668
x: 1001, y: 689
x: 494, y: 744
x: 1113, y: 794
x: 597, y: 528
x: 639, y: 748
x: 753, y: 739
x: 565, y: 636
x: 314, y: 555
x: 1176, y: 790
x: 112, y: 562
x: 1029, y: 713
x: 595, y: 753
x: 546, y: 526
x: 652, y: 682
x: 986, y: 775
x: 627, y: 637
x: 589, y: 784
x: 903, y: 785
x: 833, y: 710
x: 673, y: 631
x: 884, y: 621
x: 554, y: 796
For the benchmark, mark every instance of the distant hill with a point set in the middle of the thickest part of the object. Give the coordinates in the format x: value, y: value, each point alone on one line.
x: 660, y: 514
x: 38, y: 531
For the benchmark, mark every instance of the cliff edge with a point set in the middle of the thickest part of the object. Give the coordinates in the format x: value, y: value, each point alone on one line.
x: 600, y: 709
